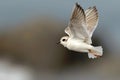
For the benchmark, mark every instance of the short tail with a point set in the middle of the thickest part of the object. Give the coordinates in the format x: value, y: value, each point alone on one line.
x: 96, y: 52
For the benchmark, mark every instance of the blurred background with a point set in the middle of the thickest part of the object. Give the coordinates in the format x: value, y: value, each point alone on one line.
x: 30, y: 29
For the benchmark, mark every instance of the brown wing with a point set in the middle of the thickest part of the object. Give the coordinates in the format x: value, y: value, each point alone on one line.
x: 77, y: 26
x: 91, y: 19
x: 78, y: 15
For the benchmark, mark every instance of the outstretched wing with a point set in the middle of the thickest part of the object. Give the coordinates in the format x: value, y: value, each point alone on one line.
x: 77, y: 25
x: 91, y: 19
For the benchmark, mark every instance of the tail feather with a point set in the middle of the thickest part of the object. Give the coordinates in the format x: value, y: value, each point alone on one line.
x: 90, y: 55
x: 99, y: 50
x: 96, y: 52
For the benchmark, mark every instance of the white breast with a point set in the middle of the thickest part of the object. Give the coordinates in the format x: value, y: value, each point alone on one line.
x: 78, y: 45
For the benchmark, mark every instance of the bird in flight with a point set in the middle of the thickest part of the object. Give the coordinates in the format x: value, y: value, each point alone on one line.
x: 80, y: 29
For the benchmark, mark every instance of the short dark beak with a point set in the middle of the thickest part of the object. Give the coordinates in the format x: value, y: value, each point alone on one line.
x: 58, y: 42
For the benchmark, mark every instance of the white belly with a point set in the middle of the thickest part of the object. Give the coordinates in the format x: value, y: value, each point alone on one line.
x: 78, y: 46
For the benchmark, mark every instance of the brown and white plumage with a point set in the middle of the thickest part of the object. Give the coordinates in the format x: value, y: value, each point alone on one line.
x: 91, y: 19
x: 80, y: 30
x: 85, y: 22
x: 77, y: 19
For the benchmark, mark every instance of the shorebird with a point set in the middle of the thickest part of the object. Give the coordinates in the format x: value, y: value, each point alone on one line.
x: 80, y: 29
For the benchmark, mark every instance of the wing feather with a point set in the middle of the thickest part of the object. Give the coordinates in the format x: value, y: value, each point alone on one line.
x: 77, y: 25
x: 91, y: 19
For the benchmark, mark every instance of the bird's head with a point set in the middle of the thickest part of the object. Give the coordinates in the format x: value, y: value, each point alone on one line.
x: 64, y: 40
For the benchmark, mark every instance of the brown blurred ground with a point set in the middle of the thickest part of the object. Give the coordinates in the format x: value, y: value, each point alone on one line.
x: 33, y: 43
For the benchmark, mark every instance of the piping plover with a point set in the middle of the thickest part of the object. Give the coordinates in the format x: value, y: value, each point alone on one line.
x: 80, y: 30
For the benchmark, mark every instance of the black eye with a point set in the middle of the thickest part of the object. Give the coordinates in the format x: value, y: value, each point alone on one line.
x: 64, y: 40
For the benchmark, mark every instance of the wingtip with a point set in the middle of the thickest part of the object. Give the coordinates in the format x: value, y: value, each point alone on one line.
x: 77, y: 11
x: 94, y: 9
x: 77, y: 4
x: 94, y: 6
